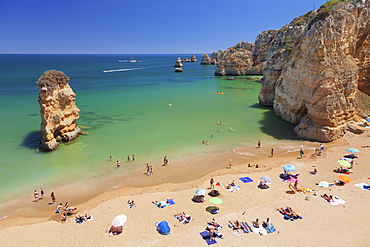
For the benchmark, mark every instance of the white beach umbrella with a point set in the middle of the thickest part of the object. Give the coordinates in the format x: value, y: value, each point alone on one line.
x: 119, y: 220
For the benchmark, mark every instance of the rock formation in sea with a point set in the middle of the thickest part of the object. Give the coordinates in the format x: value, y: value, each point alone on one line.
x: 207, y: 60
x: 58, y: 110
x: 193, y: 58
x: 185, y: 60
x: 178, y: 63
x: 318, y: 67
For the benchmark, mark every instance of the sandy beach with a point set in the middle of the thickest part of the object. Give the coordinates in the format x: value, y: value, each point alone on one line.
x: 322, y: 224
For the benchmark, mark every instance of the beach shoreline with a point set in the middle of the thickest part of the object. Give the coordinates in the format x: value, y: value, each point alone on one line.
x: 114, y: 201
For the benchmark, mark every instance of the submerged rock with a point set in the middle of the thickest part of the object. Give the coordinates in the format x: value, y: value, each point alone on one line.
x: 179, y: 70
x: 58, y: 110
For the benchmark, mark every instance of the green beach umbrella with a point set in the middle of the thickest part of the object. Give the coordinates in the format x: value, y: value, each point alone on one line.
x: 215, y: 200
x: 344, y: 163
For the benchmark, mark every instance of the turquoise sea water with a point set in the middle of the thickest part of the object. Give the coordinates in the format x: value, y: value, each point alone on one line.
x: 127, y: 112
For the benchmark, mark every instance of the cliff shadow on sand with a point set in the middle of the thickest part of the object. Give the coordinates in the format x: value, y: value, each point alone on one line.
x: 276, y: 126
x: 31, y: 140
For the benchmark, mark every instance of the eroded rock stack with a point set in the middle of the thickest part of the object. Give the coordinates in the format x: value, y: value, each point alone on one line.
x: 178, y: 63
x: 58, y: 110
x: 193, y: 58
x: 207, y: 60
x: 315, y: 68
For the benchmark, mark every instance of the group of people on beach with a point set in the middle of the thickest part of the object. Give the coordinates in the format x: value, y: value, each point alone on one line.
x: 118, y: 163
x: 37, y: 196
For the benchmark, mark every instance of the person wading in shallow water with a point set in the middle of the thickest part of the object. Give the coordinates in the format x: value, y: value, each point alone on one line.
x: 165, y: 160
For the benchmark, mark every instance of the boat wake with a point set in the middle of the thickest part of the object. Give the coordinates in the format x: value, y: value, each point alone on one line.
x: 120, y: 70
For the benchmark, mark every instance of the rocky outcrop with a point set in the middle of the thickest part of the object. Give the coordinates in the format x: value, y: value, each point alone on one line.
x: 193, y: 58
x: 185, y: 60
x: 58, y: 110
x: 178, y: 63
x: 315, y: 67
x: 245, y: 58
x: 207, y: 60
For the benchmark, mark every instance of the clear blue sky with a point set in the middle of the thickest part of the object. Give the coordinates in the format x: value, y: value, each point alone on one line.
x: 139, y: 26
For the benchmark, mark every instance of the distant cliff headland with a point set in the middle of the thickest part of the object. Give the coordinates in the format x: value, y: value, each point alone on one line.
x: 58, y: 110
x: 316, y: 70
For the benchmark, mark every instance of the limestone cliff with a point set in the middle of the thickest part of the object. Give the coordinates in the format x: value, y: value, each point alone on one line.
x: 57, y: 109
x: 207, y: 60
x: 316, y: 66
x: 245, y: 58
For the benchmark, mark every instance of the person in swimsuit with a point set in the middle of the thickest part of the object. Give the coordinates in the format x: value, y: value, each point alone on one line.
x: 36, y: 195
x: 52, y: 197
x: 42, y: 193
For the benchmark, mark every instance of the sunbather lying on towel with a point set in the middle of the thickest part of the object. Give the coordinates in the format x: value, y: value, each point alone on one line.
x: 328, y: 198
x: 131, y: 204
x: 236, y: 226
x: 161, y: 204
x: 183, y: 217
x: 341, y: 170
x: 289, y: 214
x: 213, y: 224
x: 198, y: 198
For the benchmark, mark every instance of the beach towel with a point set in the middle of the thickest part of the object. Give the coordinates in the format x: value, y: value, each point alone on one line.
x: 246, y: 179
x: 170, y: 201
x: 324, y: 184
x: 363, y: 186
x: 163, y: 204
x: 270, y: 229
x: 205, y: 235
x: 246, y: 227
x: 337, y: 201
x: 260, y: 230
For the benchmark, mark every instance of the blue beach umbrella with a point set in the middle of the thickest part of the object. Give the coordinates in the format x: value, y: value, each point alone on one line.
x: 367, y: 119
x: 353, y: 150
x: 200, y: 192
x: 289, y: 168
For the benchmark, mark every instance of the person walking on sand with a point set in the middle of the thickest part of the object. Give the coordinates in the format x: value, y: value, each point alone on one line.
x: 272, y: 152
x: 212, y: 183
x: 259, y: 143
x: 165, y: 160
x: 151, y: 171
x: 42, y: 192
x: 301, y: 153
x: 147, y: 169
x: 36, y: 195
x: 118, y: 163
x: 52, y: 195
x: 230, y: 163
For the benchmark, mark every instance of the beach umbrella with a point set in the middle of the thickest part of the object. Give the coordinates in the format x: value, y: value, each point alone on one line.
x: 344, y: 179
x: 367, y: 119
x: 353, y: 150
x: 292, y: 180
x: 200, y: 192
x: 215, y: 200
x: 267, y: 179
x: 163, y: 228
x: 344, y: 163
x: 289, y: 168
x: 119, y: 220
x: 210, y: 208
